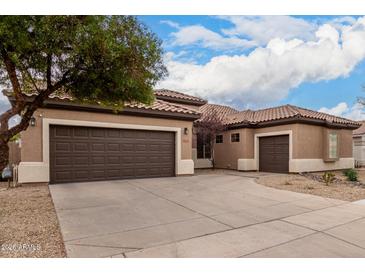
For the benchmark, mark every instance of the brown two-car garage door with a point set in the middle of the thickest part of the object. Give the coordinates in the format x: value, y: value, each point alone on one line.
x: 274, y: 154
x: 90, y: 154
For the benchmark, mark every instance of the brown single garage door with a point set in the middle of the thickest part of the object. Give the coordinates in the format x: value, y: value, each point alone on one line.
x: 274, y: 154
x: 80, y: 154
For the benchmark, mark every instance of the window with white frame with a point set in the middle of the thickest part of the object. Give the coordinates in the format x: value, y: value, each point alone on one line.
x: 333, y: 145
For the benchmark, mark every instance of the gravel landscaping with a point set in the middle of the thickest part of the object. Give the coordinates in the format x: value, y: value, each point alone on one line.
x: 28, y: 223
x: 311, y: 183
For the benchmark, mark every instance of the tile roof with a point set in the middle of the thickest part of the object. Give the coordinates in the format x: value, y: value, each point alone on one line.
x: 284, y: 112
x: 177, y: 95
x: 157, y: 105
x: 208, y: 110
x: 161, y: 105
x: 360, y: 130
x: 255, y: 117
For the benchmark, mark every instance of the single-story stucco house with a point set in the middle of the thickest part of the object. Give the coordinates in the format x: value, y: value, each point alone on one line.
x: 69, y: 142
x: 358, y: 136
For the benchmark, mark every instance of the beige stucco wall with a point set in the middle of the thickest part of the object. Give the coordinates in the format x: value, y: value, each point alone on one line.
x: 227, y: 153
x: 32, y: 137
x: 308, y: 142
x: 346, y: 143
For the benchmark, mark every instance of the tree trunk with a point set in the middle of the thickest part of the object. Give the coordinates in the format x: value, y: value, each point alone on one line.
x: 4, y: 155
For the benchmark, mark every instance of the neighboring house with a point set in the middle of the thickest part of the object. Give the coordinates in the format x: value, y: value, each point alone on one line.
x: 359, y: 145
x: 70, y: 142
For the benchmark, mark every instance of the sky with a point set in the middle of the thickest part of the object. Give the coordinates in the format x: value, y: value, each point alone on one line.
x: 316, y: 62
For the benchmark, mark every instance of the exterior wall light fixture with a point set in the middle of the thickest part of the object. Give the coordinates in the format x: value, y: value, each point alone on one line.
x: 32, y: 122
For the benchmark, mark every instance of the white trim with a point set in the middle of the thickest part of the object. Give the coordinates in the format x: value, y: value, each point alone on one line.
x: 186, y: 167
x: 40, y: 171
x: 309, y: 165
x: 246, y: 164
x: 33, y: 172
x: 273, y: 133
x: 201, y: 163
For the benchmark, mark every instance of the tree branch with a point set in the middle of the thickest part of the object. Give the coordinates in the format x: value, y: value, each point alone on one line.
x: 31, y: 107
x: 49, y: 71
x: 11, y: 69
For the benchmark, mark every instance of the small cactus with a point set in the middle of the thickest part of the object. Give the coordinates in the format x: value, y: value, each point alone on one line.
x: 328, y: 178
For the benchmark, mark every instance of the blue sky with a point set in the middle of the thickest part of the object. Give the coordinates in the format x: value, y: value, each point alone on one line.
x: 317, y: 62
x: 254, y: 62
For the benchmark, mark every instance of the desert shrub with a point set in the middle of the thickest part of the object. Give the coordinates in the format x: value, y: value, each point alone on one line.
x: 351, y: 174
x: 328, y: 178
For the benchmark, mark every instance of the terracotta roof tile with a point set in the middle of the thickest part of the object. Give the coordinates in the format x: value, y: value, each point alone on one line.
x: 158, y: 105
x: 283, y: 112
x: 177, y: 95
x: 208, y: 110
x: 360, y: 130
x: 275, y: 113
x: 161, y: 105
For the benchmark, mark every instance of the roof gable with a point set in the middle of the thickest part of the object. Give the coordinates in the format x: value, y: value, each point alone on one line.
x: 178, y: 97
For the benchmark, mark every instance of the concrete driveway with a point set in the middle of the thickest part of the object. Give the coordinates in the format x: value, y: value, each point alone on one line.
x: 216, y: 215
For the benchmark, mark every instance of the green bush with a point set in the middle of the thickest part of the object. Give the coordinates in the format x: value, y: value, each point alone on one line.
x: 351, y: 174
x: 328, y: 178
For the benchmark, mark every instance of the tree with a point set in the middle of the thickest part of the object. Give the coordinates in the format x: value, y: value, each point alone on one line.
x: 105, y: 59
x: 208, y: 128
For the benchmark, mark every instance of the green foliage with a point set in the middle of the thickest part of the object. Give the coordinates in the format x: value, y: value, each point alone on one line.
x: 328, y: 178
x: 351, y: 174
x: 104, y: 59
x: 15, y: 138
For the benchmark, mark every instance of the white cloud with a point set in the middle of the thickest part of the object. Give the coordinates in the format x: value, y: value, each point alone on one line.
x: 201, y: 36
x: 340, y: 22
x: 170, y: 23
x: 355, y: 112
x: 4, y: 102
x: 264, y: 28
x: 336, y: 110
x: 268, y: 73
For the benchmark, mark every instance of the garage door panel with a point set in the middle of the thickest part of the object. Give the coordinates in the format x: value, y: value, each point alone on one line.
x: 62, y: 176
x: 113, y: 133
x: 127, y: 147
x: 98, y: 147
x: 112, y: 147
x: 62, y: 132
x: 63, y: 161
x: 113, y: 160
x: 80, y: 161
x: 81, y: 174
x: 80, y: 147
x: 81, y: 133
x: 98, y: 173
x: 89, y: 154
x: 96, y: 132
x: 274, y: 154
x: 63, y: 147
